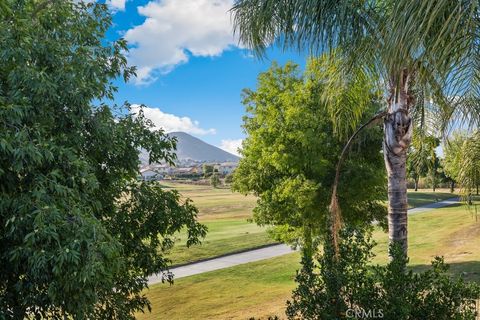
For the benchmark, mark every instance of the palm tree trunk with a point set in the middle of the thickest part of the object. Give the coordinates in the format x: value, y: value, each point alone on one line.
x: 397, y: 138
x: 416, y: 184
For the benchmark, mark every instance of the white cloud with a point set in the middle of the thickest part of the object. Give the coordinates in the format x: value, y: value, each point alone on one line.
x: 117, y: 4
x: 231, y: 145
x: 171, y: 123
x: 175, y: 29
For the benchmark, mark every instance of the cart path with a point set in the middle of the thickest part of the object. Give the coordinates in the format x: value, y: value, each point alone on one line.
x: 263, y: 253
x: 435, y: 205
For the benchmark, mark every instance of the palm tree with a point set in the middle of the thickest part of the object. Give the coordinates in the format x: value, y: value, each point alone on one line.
x: 424, y: 53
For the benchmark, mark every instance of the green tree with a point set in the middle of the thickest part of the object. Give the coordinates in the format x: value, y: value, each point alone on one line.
x: 464, y: 158
x: 434, y: 175
x: 453, y: 155
x: 422, y: 51
x: 207, y: 170
x: 290, y: 153
x: 422, y: 159
x: 415, y: 172
x: 78, y: 234
x: 214, y: 180
x: 443, y: 177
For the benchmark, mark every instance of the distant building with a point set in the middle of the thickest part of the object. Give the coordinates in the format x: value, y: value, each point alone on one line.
x: 164, y: 169
x: 198, y: 169
x: 187, y: 172
x: 225, y: 168
x: 184, y: 169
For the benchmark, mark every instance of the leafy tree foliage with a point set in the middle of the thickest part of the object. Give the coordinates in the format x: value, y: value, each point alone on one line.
x: 292, y: 148
x: 423, y: 160
x: 78, y: 234
x: 462, y: 161
x: 442, y: 176
x: 351, y: 287
x: 207, y: 170
x: 453, y: 154
x: 214, y: 180
x: 469, y: 173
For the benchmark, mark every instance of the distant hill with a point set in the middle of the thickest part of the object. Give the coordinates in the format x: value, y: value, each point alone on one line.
x: 191, y: 148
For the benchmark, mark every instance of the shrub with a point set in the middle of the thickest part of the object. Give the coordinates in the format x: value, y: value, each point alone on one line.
x: 350, y: 287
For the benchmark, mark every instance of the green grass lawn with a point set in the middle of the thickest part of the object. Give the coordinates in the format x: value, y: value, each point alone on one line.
x: 240, y: 292
x: 224, y: 236
x: 423, y: 197
x: 226, y: 215
x: 452, y: 232
x: 260, y: 289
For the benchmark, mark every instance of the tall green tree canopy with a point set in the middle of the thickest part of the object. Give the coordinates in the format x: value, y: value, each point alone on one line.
x: 422, y: 159
x: 453, y: 154
x: 425, y: 54
x: 78, y: 234
x: 292, y: 148
x: 462, y: 160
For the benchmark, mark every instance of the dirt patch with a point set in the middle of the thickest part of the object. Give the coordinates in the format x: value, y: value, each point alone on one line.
x: 460, y: 242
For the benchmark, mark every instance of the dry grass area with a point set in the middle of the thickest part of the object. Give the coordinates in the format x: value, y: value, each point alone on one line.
x: 214, y: 204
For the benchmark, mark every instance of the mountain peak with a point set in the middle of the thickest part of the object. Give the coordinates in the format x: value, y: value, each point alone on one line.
x: 191, y: 148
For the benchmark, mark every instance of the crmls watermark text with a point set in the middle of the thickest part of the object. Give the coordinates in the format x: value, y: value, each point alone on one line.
x: 364, y: 314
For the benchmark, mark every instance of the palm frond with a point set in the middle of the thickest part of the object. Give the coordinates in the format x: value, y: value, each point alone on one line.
x: 303, y: 24
x: 346, y: 93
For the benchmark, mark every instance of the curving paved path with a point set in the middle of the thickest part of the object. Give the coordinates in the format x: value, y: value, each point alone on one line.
x: 435, y: 205
x: 261, y: 254
x: 225, y: 262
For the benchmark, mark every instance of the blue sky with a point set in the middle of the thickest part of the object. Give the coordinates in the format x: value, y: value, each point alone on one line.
x: 191, y: 68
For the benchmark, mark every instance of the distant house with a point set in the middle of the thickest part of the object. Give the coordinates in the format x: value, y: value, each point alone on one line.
x: 226, y: 167
x: 198, y: 169
x: 186, y: 172
x: 163, y: 169
x: 183, y: 171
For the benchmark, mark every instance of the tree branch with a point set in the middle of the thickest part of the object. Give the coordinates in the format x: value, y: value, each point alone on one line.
x: 335, y: 212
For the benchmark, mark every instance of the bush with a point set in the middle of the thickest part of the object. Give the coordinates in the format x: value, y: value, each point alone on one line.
x: 349, y: 287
